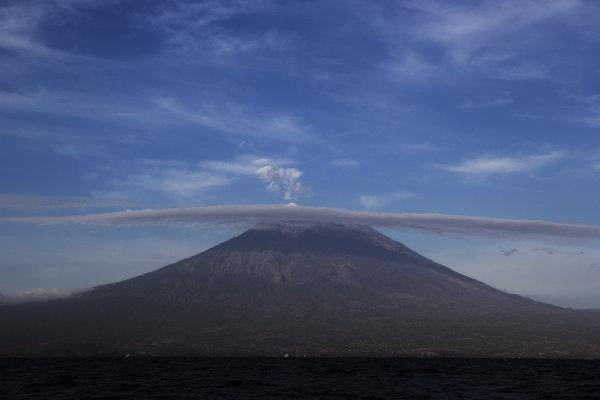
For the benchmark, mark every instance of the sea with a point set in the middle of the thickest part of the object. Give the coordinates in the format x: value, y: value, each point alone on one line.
x: 297, y: 378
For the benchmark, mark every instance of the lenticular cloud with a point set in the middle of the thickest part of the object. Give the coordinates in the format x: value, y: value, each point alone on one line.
x: 247, y: 214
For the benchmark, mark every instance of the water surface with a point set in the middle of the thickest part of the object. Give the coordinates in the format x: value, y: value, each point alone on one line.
x: 294, y: 378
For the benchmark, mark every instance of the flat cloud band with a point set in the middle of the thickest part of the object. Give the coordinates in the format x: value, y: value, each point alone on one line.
x: 243, y: 214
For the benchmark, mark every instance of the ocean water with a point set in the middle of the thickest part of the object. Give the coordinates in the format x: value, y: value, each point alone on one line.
x: 293, y: 378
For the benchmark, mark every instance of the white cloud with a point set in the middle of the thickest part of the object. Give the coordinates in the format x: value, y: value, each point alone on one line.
x: 490, y: 165
x: 247, y: 214
x: 378, y: 201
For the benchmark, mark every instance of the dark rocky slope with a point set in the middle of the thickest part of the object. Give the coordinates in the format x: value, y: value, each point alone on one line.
x: 302, y: 290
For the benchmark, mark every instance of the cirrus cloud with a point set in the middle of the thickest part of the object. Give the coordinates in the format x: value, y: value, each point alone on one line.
x: 490, y: 165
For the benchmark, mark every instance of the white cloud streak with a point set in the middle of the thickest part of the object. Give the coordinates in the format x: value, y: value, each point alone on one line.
x: 489, y: 165
x: 178, y: 182
x: 37, y: 295
x: 457, y: 225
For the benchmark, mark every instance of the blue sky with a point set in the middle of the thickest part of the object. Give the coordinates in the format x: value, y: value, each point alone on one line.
x: 473, y: 108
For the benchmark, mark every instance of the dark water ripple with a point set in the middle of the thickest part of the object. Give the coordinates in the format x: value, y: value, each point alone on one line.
x: 279, y: 378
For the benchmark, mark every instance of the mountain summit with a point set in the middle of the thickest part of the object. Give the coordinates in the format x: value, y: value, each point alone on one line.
x: 301, y: 289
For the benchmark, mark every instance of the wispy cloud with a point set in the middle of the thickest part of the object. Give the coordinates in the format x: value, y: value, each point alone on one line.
x: 411, y: 67
x: 378, y: 201
x: 199, y: 28
x: 484, y: 36
x: 168, y: 178
x: 70, y: 104
x: 490, y: 165
x: 591, y: 111
x: 247, y: 214
x: 157, y: 181
x: 240, y: 121
x: 592, y: 120
x: 18, y: 26
x: 183, y: 182
x: 191, y: 15
x: 469, y: 27
x: 178, y: 182
x: 37, y: 295
x: 344, y: 163
x: 496, y: 101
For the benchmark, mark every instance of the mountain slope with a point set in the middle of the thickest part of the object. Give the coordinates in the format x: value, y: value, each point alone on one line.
x: 305, y: 290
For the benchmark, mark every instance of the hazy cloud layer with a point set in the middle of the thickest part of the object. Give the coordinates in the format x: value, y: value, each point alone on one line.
x: 245, y: 214
x: 35, y: 295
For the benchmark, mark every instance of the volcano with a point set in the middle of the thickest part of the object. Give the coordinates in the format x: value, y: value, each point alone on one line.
x: 301, y: 290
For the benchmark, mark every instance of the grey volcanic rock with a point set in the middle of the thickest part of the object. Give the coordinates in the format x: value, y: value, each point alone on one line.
x: 301, y: 289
